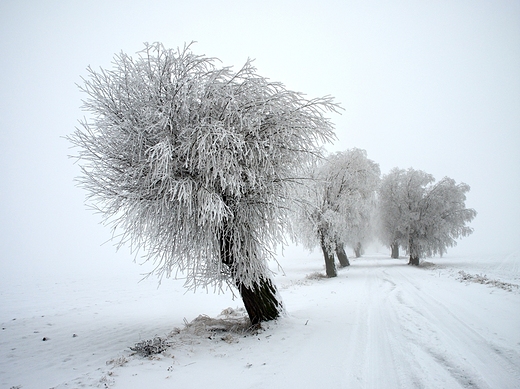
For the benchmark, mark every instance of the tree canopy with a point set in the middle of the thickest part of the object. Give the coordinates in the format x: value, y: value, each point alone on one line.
x: 337, y: 204
x: 423, y: 217
x: 190, y: 162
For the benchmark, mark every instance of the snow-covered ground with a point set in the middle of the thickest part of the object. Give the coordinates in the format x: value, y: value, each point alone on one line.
x: 379, y: 324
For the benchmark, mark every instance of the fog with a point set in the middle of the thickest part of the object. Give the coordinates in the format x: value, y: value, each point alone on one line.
x: 429, y: 85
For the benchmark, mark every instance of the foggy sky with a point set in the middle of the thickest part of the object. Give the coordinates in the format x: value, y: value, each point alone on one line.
x: 429, y: 85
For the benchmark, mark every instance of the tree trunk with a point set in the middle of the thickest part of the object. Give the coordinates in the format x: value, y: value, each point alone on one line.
x: 260, y: 299
x: 414, y: 260
x: 358, y: 250
x: 330, y: 265
x: 414, y: 257
x: 395, y: 250
x: 342, y: 255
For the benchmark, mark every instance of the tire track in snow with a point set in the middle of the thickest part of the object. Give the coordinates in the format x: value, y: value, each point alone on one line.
x: 445, y: 337
x: 387, y: 358
x: 376, y: 351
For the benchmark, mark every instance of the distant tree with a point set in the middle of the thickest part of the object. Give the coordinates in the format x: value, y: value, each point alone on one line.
x: 191, y: 164
x: 421, y: 216
x: 358, y: 249
x: 336, y: 205
x: 392, y: 210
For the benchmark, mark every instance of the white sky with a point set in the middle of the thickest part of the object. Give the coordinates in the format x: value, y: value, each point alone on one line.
x: 433, y: 85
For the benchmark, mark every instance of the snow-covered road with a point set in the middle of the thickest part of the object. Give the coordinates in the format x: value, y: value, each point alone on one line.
x: 415, y: 328
x: 383, y: 324
x: 379, y: 324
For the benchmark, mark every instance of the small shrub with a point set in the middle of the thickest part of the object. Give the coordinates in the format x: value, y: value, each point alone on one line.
x: 484, y: 280
x: 315, y: 276
x: 150, y: 347
x: 117, y: 362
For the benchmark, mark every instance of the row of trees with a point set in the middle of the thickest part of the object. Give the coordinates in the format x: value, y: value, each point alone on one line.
x: 203, y: 170
x: 335, y: 207
x: 347, y: 203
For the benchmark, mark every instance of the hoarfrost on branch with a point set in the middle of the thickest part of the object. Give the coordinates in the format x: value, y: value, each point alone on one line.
x: 422, y: 217
x: 191, y: 163
x: 337, y: 204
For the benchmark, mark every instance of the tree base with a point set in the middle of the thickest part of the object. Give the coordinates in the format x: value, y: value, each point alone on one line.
x: 414, y: 261
x: 260, y: 298
x: 261, y: 301
x: 395, y: 251
x: 330, y: 265
x: 342, y: 256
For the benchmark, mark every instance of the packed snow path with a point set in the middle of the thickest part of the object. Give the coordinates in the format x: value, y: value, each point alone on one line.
x: 404, y: 327
x: 379, y: 324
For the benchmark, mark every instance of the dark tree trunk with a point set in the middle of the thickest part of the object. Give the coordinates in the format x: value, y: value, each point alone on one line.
x: 395, y: 250
x: 414, y: 257
x: 260, y: 299
x: 342, y: 255
x: 414, y: 260
x: 330, y: 265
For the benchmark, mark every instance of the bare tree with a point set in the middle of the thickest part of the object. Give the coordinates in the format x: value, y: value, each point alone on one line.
x: 191, y: 162
x: 337, y: 205
x: 421, y: 216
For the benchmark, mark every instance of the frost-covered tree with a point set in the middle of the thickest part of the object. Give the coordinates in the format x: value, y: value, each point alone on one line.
x: 392, y: 210
x: 421, y: 216
x: 336, y: 205
x: 190, y: 163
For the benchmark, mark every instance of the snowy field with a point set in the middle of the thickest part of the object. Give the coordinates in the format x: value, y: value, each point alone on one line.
x: 379, y: 324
